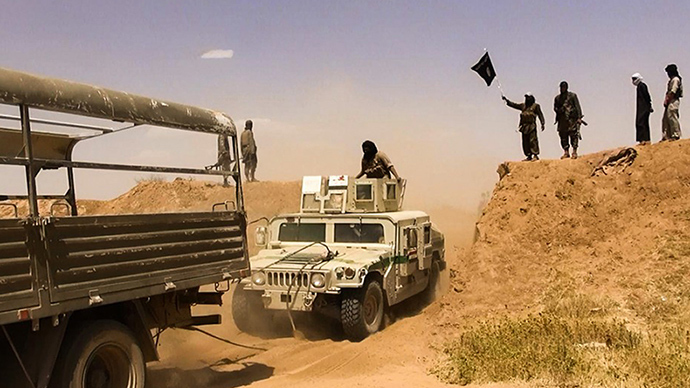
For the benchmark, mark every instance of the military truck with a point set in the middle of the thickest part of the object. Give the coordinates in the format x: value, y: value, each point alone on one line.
x: 84, y: 298
x: 349, y: 254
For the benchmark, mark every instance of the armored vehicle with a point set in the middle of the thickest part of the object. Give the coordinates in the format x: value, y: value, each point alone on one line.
x: 350, y: 253
x: 84, y: 297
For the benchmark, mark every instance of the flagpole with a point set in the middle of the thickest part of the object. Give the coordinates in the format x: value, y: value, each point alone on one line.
x: 498, y: 81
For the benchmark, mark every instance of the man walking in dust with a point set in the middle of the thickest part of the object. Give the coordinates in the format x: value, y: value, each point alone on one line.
x: 529, y: 112
x: 644, y: 109
x: 248, y: 147
x: 568, y: 118
x: 670, y: 123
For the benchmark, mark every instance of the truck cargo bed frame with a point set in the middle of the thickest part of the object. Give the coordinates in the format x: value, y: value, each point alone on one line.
x: 52, y: 265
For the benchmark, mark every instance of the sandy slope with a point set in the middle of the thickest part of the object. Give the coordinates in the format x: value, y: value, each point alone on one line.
x: 552, y: 223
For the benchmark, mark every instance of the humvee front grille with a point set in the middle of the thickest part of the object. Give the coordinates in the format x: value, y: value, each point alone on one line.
x: 286, y: 279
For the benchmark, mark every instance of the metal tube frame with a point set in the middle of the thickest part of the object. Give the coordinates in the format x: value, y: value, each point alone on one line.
x: 60, y: 123
x: 33, y: 166
x: 29, y: 156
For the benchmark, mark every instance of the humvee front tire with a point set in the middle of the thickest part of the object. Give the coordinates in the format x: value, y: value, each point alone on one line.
x: 361, y: 311
x: 248, y: 311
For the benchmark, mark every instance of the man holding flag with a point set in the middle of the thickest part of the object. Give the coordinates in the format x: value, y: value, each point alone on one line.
x: 529, y: 112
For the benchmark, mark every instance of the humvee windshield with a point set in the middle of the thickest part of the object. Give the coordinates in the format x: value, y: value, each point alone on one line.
x: 291, y: 231
x: 359, y: 233
x: 344, y: 233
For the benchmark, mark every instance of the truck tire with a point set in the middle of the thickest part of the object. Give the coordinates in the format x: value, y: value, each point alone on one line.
x: 248, y: 311
x: 361, y: 311
x: 100, y: 354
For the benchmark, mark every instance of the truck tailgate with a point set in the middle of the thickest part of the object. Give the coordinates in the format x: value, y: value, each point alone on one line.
x: 105, y: 259
x: 17, y: 274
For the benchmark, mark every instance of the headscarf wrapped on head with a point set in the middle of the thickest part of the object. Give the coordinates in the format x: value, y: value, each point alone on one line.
x: 636, y: 79
x: 529, y: 99
x: 672, y: 69
x: 372, y: 150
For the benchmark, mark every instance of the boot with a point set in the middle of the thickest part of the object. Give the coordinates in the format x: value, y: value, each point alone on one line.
x: 535, y: 158
x: 574, y: 156
x: 566, y: 154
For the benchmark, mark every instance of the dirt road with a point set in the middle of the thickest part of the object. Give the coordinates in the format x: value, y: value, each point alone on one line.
x: 398, y: 356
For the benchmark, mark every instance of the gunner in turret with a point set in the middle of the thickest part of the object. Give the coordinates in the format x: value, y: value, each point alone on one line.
x: 375, y: 164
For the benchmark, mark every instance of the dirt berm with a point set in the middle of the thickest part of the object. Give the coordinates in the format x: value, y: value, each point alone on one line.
x: 559, y: 248
x: 551, y: 221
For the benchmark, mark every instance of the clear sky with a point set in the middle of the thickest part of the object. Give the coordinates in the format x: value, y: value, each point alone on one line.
x: 319, y: 77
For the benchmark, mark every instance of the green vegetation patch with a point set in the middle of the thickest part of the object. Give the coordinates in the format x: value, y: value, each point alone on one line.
x: 567, y: 352
x: 536, y: 347
x: 663, y: 359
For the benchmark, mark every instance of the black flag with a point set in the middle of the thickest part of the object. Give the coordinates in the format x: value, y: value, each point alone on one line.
x: 485, y: 69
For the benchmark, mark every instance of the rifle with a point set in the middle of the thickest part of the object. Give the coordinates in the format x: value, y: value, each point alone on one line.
x: 581, y: 121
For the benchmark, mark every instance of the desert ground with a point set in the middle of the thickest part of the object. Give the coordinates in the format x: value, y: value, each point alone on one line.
x: 591, y: 265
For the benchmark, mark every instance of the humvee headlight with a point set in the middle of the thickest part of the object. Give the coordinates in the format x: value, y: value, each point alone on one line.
x: 259, y: 278
x: 339, y: 272
x: 350, y: 272
x: 318, y: 280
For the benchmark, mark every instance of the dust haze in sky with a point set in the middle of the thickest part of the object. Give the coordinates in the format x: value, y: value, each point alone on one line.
x: 318, y: 78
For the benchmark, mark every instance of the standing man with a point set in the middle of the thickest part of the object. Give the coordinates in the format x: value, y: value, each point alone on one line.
x: 670, y: 124
x: 224, y: 156
x: 529, y: 112
x: 375, y: 164
x: 644, y: 109
x: 248, y: 146
x: 568, y: 118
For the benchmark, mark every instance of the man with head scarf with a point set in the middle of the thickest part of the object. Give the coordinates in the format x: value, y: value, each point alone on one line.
x: 529, y: 112
x: 248, y: 147
x: 375, y: 164
x: 670, y: 123
x: 568, y: 118
x: 644, y: 109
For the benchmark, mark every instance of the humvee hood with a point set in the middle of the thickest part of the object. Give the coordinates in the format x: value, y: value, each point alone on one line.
x: 314, y: 256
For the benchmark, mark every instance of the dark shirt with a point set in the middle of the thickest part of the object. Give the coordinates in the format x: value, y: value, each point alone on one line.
x: 567, y: 107
x: 528, y: 115
x: 644, y: 100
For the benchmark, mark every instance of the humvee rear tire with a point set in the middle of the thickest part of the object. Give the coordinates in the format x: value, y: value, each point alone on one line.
x: 248, y: 311
x: 100, y: 354
x: 361, y: 311
x: 434, y: 288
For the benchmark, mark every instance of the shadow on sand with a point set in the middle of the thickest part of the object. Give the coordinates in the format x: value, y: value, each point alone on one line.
x: 208, y: 377
x: 312, y: 327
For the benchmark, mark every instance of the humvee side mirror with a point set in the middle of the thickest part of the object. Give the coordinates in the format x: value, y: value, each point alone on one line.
x: 260, y: 236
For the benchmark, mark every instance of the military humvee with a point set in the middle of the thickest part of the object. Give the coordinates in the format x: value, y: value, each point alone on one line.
x: 350, y: 253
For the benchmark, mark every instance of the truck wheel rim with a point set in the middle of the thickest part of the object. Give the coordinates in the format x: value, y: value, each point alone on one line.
x: 109, y: 366
x: 371, y: 309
